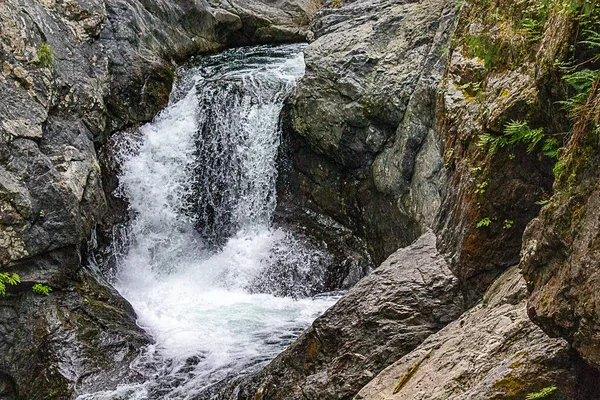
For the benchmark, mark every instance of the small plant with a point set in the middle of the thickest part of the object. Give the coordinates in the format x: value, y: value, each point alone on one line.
x: 520, y: 132
x: 42, y: 214
x: 508, y: 223
x: 542, y: 202
x: 7, y: 278
x: 484, y: 222
x: 38, y: 288
x: 481, y: 187
x: 542, y: 394
x: 492, y: 142
x: 517, y: 132
x: 336, y: 3
x: 45, y: 56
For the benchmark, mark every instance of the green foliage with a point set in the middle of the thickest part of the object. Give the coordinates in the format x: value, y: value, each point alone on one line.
x: 581, y: 81
x: 492, y: 142
x: 482, y: 47
x: 7, y: 278
x: 559, y: 168
x: 583, y: 69
x: 481, y: 187
x: 508, y: 223
x: 484, y: 222
x: 45, y: 55
x: 336, y: 3
x: 545, y: 392
x: 38, y: 288
x: 519, y: 132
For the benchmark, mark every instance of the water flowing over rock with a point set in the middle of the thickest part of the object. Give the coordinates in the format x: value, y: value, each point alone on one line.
x: 492, y: 351
x: 73, y: 73
x: 386, y: 315
x: 221, y: 288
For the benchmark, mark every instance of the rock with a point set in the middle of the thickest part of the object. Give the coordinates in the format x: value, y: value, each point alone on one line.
x: 383, y: 317
x: 561, y: 248
x: 492, y: 351
x: 74, y: 72
x: 262, y: 21
x: 496, y: 74
x: 362, y: 143
x: 82, y: 336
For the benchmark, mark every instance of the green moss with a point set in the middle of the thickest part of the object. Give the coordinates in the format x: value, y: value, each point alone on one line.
x: 410, y: 372
x: 45, y: 55
x: 510, y: 385
x: 558, y: 169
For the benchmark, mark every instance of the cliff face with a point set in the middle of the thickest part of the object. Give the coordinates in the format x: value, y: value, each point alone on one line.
x: 499, y: 74
x: 561, y: 251
x: 73, y: 72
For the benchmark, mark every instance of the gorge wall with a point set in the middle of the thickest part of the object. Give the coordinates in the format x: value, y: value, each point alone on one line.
x: 454, y: 126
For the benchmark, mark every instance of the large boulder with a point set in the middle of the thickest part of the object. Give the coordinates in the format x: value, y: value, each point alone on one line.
x: 362, y: 144
x: 385, y: 316
x: 492, y: 351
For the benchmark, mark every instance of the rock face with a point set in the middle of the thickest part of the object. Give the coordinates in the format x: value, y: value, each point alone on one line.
x: 496, y: 74
x: 83, y: 335
x: 561, y: 248
x: 492, y: 351
x: 73, y: 72
x: 386, y: 315
x: 362, y: 143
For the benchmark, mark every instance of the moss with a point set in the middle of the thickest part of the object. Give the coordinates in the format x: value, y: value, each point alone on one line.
x: 45, y: 55
x: 510, y: 385
x: 159, y: 85
x: 410, y: 372
x: 312, y: 350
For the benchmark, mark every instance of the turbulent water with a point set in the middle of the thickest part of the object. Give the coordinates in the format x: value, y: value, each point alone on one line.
x: 220, y: 289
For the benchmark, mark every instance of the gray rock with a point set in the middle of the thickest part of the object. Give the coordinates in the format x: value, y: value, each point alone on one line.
x: 72, y: 73
x: 362, y: 129
x: 492, y: 351
x: 383, y: 317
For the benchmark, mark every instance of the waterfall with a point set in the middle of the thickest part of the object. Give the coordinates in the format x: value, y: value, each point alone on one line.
x: 219, y: 288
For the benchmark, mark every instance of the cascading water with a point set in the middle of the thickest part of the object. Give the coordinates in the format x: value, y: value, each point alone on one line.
x: 221, y: 291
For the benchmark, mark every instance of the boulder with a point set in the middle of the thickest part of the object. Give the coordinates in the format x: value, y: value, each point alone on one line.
x: 492, y: 351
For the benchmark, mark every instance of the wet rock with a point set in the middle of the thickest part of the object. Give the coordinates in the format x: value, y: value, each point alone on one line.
x: 383, y: 317
x: 492, y: 351
x: 82, y: 336
x: 72, y: 73
x: 362, y: 143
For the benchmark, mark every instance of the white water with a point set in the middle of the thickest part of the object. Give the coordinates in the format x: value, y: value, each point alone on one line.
x: 204, y: 266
